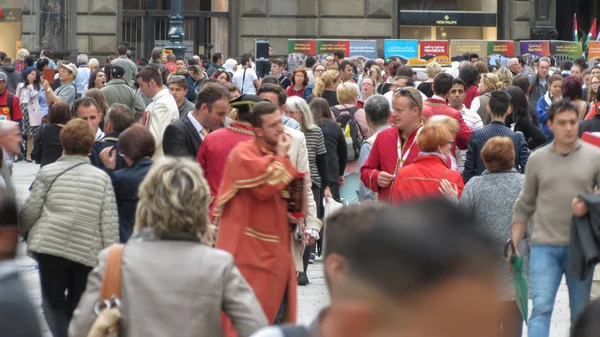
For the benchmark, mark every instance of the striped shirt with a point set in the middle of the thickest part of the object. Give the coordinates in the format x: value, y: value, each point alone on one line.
x: 473, y: 121
x: 315, y: 146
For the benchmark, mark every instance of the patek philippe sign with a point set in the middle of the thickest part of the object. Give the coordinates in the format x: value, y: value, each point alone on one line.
x: 447, y: 18
x: 10, y: 14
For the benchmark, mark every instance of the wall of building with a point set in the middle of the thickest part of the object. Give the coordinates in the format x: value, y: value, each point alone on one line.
x: 280, y: 20
x: 10, y: 26
x: 97, y: 26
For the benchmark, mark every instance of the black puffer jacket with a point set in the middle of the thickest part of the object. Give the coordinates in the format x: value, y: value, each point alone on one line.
x: 14, y: 77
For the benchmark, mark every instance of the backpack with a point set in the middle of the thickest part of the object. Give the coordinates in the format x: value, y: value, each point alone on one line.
x: 352, y: 132
x: 9, y: 105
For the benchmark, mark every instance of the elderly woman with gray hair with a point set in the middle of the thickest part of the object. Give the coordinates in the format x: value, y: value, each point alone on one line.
x: 172, y: 284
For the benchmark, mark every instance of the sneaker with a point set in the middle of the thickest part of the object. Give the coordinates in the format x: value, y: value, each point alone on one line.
x: 311, y: 258
x: 302, y: 279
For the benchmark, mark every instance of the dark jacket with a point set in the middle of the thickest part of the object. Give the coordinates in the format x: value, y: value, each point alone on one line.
x: 111, y: 139
x: 584, y: 249
x: 336, y: 156
x: 181, y: 139
x: 46, y: 145
x: 590, y: 125
x: 474, y: 164
x: 14, y: 77
x: 126, y: 183
x: 19, y: 317
x: 536, y: 90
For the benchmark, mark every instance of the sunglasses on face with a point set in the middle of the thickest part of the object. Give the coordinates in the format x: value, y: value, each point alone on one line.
x: 405, y: 92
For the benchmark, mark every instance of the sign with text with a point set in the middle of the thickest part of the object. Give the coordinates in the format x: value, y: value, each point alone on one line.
x: 446, y: 18
x: 331, y: 46
x: 460, y: 47
x: 406, y: 49
x: 535, y: 48
x: 307, y: 47
x: 502, y: 48
x: 568, y: 49
x: 365, y: 49
x: 593, y: 51
x: 432, y: 50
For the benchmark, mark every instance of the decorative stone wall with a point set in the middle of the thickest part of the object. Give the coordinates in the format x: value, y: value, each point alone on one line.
x: 280, y: 20
x: 518, y: 19
x: 97, y: 26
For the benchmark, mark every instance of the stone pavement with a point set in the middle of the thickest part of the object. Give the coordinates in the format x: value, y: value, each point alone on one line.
x: 311, y: 298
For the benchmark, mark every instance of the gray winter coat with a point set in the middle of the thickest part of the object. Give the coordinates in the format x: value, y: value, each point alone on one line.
x: 490, y: 199
x: 74, y: 219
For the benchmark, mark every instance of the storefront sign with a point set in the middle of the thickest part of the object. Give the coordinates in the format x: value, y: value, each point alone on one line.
x: 460, y: 47
x: 593, y: 51
x: 446, y: 18
x: 569, y: 49
x: 535, y: 48
x: 331, y: 46
x: 366, y: 49
x: 502, y: 48
x: 405, y: 49
x: 307, y: 47
x: 11, y: 15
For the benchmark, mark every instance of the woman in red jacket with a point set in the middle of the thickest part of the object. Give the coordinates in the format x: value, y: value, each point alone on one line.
x: 299, y: 83
x: 423, y: 177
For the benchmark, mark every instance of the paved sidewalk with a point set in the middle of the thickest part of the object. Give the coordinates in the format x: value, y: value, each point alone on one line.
x: 311, y: 298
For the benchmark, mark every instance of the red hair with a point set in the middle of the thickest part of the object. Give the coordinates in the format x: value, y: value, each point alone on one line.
x: 299, y: 70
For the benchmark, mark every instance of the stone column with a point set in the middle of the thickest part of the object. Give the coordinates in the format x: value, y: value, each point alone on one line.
x: 543, y: 20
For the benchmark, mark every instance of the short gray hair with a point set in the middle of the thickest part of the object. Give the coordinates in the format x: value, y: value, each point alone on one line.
x: 511, y: 61
x: 82, y: 59
x: 377, y: 109
x: 93, y: 63
x: 157, y: 53
x: 545, y: 59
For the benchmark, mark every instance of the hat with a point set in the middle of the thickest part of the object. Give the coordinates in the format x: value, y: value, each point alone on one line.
x: 245, y: 103
x: 70, y: 67
x: 3, y: 76
x: 118, y: 71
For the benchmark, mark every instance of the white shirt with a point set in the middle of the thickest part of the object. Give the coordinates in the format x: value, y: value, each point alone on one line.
x: 473, y: 120
x: 245, y: 83
x: 196, y: 125
x: 99, y: 134
x: 158, y: 115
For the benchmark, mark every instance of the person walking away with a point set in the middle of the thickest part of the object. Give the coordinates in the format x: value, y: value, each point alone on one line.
x: 487, y: 84
x: 245, y: 77
x: 172, y: 217
x: 424, y: 177
x: 66, y: 241
x: 490, y: 199
x: 572, y: 90
x: 118, y: 119
x: 30, y: 108
x: 556, y: 174
x: 470, y: 75
x: 129, y: 67
x: 83, y: 74
x: 592, y: 124
x: 13, y: 77
x: 117, y: 90
x: 519, y: 120
x: 161, y: 111
x: 242, y: 209
x: 326, y: 86
x: 554, y: 94
x: 46, y: 144
x: 377, y: 112
x: 499, y: 108
x: 394, y: 147
x: 432, y: 69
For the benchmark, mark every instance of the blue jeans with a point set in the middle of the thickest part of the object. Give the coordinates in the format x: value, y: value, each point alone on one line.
x: 547, y: 265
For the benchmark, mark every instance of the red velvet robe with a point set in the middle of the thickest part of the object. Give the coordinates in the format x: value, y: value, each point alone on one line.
x: 384, y: 157
x: 215, y: 148
x: 253, y: 224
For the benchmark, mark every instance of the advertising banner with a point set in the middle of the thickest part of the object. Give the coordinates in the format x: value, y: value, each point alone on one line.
x: 298, y: 51
x: 565, y: 50
x: 593, y: 50
x: 458, y: 48
x: 331, y: 46
x: 432, y: 50
x: 404, y: 49
x: 499, y: 52
x: 535, y: 48
x: 363, y: 50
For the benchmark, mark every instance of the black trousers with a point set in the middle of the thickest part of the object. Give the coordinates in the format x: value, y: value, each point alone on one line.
x: 57, y: 276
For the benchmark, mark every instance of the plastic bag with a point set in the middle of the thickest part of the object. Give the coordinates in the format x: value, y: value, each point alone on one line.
x: 331, y: 206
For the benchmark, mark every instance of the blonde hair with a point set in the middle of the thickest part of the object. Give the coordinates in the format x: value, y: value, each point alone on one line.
x: 347, y: 93
x: 491, y: 82
x: 416, y: 101
x: 505, y: 76
x: 296, y: 103
x: 450, y: 123
x: 378, y: 70
x: 432, y: 69
x: 22, y: 53
x: 174, y: 197
x: 93, y: 63
x: 328, y: 78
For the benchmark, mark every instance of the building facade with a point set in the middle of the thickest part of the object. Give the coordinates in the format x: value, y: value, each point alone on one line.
x: 96, y: 27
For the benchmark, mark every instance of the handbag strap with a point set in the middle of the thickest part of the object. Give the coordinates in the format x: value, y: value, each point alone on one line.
x: 111, y: 280
x: 63, y: 172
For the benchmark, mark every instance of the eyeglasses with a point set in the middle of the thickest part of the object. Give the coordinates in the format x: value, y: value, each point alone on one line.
x: 405, y: 92
x: 457, y: 91
x: 319, y: 70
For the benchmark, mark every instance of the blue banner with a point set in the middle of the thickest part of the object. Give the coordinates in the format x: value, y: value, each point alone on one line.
x: 405, y: 49
x: 366, y: 49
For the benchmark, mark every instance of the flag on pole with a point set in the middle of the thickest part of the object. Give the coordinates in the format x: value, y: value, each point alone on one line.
x: 591, y: 36
x: 598, y: 35
x: 575, y: 29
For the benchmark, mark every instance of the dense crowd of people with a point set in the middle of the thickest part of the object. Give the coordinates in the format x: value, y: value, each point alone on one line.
x: 199, y: 188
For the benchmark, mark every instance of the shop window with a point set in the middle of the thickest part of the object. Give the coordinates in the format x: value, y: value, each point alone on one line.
x: 415, y: 32
x: 449, y: 5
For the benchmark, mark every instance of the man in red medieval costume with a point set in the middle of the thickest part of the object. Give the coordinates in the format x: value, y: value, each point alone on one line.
x: 254, y: 224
